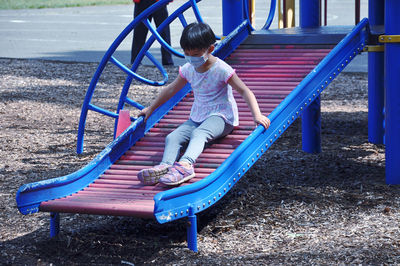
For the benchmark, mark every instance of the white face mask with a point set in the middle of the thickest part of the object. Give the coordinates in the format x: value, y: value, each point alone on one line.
x: 197, y: 61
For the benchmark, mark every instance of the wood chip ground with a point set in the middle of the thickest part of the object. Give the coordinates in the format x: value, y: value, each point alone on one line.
x: 291, y: 208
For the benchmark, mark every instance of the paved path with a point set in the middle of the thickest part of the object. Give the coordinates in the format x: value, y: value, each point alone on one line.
x: 83, y: 34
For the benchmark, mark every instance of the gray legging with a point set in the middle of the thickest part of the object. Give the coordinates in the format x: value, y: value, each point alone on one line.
x: 196, y: 135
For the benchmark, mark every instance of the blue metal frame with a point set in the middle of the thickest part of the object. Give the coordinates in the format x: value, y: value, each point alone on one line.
x: 188, y: 200
x: 108, y: 57
x: 392, y: 96
x: 234, y: 12
x: 376, y: 91
x: 311, y: 119
x: 175, y: 204
x: 232, y: 15
x: 233, y: 40
x: 192, y: 230
x: 310, y: 15
x: 54, y: 224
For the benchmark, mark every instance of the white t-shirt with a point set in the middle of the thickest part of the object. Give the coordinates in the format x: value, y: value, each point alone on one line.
x: 212, y: 94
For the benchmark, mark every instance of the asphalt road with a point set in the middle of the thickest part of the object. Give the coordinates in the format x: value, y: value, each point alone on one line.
x: 83, y: 34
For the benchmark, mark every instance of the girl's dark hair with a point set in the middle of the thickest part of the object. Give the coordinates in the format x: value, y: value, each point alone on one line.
x: 197, y: 36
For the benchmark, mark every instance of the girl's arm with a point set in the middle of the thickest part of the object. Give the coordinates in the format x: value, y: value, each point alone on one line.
x: 250, y: 99
x: 164, y: 96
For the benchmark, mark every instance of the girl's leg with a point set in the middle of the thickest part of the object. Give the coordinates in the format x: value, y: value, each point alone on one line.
x: 175, y: 141
x: 212, y: 128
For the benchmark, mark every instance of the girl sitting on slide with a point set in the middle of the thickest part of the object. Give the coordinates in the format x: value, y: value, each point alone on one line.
x: 214, y: 111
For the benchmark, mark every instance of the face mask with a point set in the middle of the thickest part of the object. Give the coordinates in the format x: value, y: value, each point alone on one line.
x: 197, y: 61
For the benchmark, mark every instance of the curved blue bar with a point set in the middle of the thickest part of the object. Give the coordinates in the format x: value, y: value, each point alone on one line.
x: 145, y: 48
x: 270, y: 17
x: 142, y: 53
x: 196, y: 11
x: 158, y: 65
x: 182, y: 20
x: 103, y: 63
x: 102, y: 111
x: 140, y: 78
x: 246, y: 4
x: 197, y: 15
x: 134, y: 104
x: 161, y: 40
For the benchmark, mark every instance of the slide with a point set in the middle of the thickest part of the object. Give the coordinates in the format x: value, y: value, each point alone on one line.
x: 285, y: 76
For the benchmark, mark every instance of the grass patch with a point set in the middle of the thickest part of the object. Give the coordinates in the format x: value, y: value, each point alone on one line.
x: 26, y: 4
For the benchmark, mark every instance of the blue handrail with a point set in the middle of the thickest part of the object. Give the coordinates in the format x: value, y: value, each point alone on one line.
x: 270, y: 15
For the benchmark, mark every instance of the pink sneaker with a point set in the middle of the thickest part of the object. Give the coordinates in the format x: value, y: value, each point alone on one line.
x: 152, y: 175
x: 177, y: 174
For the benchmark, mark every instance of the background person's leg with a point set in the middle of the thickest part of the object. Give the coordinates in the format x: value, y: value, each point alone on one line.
x: 140, y: 31
x: 159, y: 17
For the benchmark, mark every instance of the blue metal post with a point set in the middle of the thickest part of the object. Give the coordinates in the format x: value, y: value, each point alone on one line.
x: 54, y: 224
x: 376, y: 91
x: 232, y: 15
x: 192, y: 230
x: 392, y: 98
x: 311, y: 118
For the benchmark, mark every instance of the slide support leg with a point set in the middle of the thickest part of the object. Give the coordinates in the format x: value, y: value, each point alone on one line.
x: 376, y: 82
x: 54, y: 224
x: 311, y: 127
x: 192, y: 230
x: 232, y: 15
x: 376, y: 98
x: 392, y: 95
x: 311, y: 120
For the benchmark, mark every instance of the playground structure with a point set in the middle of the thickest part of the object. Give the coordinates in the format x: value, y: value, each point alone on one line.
x: 287, y: 69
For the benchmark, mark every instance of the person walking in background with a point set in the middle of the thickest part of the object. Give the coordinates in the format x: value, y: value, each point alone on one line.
x: 140, y: 32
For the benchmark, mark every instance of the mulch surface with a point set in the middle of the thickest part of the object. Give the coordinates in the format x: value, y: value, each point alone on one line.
x: 290, y: 208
